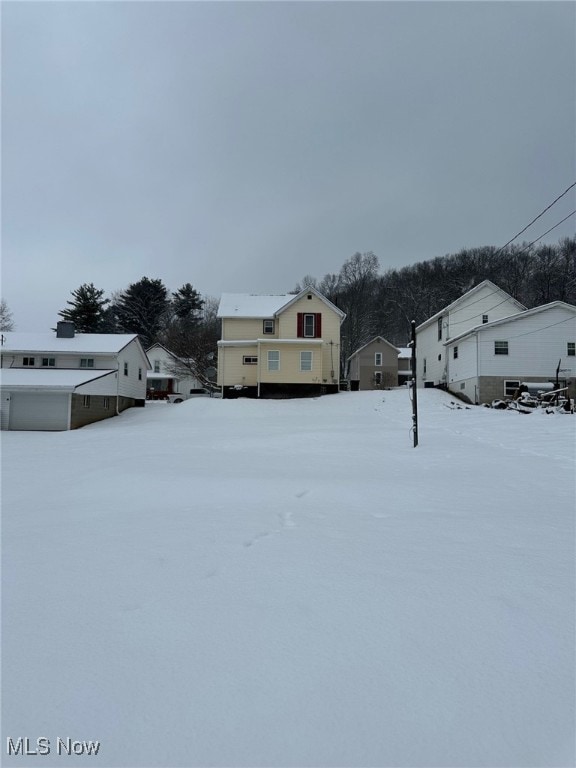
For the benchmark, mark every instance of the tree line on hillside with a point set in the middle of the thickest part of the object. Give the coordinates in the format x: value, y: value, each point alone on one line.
x: 385, y: 304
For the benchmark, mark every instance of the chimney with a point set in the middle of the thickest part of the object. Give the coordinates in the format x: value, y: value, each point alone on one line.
x: 64, y: 329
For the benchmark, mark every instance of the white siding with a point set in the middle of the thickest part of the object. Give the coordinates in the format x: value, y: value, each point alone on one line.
x: 105, y: 385
x: 535, y: 345
x: 467, y: 314
x: 131, y: 385
x: 4, y: 409
x: 182, y: 384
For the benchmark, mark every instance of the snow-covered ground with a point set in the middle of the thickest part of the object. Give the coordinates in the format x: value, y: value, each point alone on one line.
x: 291, y: 583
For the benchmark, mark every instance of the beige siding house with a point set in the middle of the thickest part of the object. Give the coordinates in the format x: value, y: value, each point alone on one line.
x: 276, y: 345
x: 65, y: 380
x: 374, y: 365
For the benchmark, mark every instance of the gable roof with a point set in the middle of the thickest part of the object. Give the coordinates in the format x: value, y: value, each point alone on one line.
x: 80, y: 343
x: 376, y: 338
x: 471, y: 292
x: 261, y: 306
x: 513, y: 318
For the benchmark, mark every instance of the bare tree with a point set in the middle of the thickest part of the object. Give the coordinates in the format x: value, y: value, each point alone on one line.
x: 6, y: 320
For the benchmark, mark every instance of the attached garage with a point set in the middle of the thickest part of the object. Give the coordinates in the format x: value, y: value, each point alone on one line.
x: 46, y: 411
x: 55, y: 400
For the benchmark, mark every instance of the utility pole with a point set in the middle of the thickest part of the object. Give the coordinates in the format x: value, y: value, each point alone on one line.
x: 414, y: 396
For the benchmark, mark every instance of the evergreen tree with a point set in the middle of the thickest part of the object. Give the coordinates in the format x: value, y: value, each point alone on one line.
x: 143, y: 309
x: 88, y: 310
x: 187, y: 303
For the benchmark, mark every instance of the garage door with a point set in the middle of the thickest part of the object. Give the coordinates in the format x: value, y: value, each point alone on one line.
x: 31, y: 410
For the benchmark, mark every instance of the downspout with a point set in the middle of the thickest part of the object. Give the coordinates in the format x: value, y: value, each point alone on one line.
x: 258, y: 350
x: 477, y: 386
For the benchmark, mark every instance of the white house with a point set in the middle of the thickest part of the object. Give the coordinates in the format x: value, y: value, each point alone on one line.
x: 490, y: 361
x: 163, y: 379
x: 64, y: 380
x: 481, y: 305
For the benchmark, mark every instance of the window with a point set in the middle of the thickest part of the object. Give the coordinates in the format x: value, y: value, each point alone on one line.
x: 48, y: 362
x: 378, y: 358
x: 86, y: 401
x: 424, y: 371
x: 510, y: 387
x: 455, y: 353
x: 306, y: 361
x: 139, y: 374
x: 439, y: 329
x: 378, y: 378
x: 125, y: 369
x: 106, y: 403
x: 463, y: 385
x: 156, y: 366
x: 439, y: 357
x: 249, y: 360
x: 309, y: 325
x: 500, y: 347
x: 484, y: 319
x: 28, y: 361
x: 273, y: 361
x: 268, y: 326
x: 86, y: 362
x: 571, y: 349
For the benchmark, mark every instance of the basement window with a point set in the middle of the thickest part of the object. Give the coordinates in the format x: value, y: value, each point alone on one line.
x: 86, y: 401
x: 106, y: 403
x: 510, y: 387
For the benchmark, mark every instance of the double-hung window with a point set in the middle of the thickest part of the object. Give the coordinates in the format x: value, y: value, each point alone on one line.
x: 306, y: 360
x: 309, y: 325
x: 156, y: 366
x: 48, y: 362
x: 268, y: 326
x: 378, y: 358
x: 500, y: 347
x: 125, y: 368
x: 571, y: 348
x: 86, y: 362
x: 440, y: 328
x: 455, y: 353
x: 273, y: 360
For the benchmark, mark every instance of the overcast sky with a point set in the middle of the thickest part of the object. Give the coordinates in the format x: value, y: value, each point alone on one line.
x: 239, y: 146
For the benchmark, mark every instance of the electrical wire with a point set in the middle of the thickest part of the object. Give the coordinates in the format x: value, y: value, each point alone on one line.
x: 545, y: 233
x: 536, y: 219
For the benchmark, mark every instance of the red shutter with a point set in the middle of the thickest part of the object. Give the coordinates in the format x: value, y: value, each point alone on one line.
x: 300, y: 325
x: 318, y: 325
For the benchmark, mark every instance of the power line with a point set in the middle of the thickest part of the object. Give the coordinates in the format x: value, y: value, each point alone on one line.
x: 545, y: 233
x: 537, y: 217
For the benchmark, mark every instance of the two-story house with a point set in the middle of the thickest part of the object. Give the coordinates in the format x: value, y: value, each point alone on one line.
x: 374, y: 365
x: 279, y: 345
x: 537, y: 346
x: 64, y: 380
x: 482, y: 304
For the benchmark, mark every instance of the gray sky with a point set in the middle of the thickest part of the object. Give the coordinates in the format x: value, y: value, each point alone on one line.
x: 241, y: 145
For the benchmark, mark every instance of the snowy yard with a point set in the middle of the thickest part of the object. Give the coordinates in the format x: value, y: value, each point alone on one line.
x: 290, y: 583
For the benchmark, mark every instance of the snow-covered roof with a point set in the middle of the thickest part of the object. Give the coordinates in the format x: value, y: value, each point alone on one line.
x: 404, y: 351
x: 471, y: 292
x: 48, y: 378
x: 251, y: 305
x: 511, y: 319
x: 92, y: 343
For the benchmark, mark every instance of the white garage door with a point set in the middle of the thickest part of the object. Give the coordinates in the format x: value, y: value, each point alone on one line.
x: 30, y: 410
